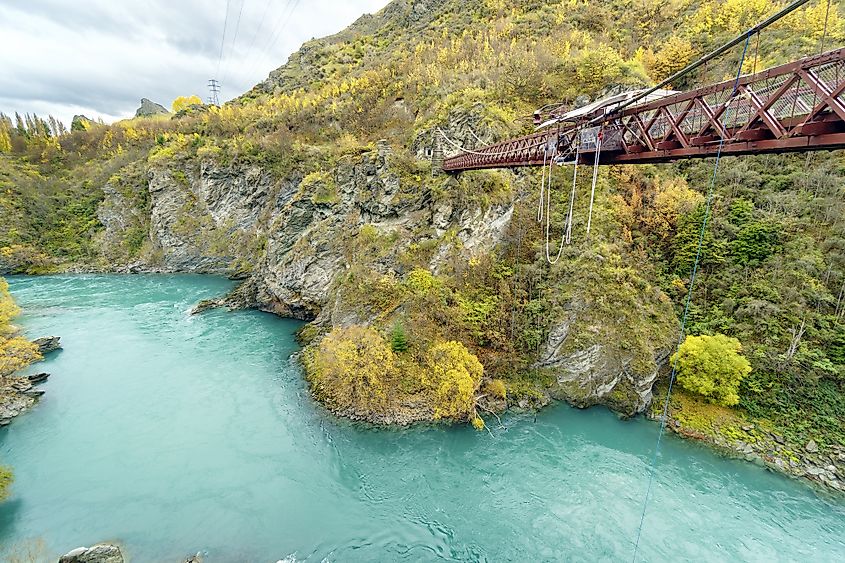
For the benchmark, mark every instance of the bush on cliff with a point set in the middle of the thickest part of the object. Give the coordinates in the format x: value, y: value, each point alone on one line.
x: 712, y: 366
x: 15, y: 353
x: 453, y: 373
x: 350, y: 370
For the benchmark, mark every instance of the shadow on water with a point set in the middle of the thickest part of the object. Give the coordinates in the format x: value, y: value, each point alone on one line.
x: 9, y: 512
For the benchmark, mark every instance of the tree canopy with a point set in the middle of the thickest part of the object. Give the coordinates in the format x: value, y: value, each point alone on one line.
x: 184, y: 102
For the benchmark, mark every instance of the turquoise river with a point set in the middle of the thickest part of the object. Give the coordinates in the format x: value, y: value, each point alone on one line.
x: 173, y: 435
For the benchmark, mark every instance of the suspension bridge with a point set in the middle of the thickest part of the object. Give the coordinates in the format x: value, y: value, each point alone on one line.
x: 793, y: 107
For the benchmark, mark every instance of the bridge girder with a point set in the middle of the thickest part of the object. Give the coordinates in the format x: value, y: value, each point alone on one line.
x: 796, y: 107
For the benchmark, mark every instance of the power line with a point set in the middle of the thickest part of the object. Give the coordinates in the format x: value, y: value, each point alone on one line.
x: 284, y: 16
x: 223, y: 39
x: 284, y: 25
x: 234, y: 40
x: 260, y: 25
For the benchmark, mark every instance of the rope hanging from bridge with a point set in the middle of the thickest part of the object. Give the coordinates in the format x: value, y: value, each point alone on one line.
x: 599, y: 139
x: 711, y: 189
x: 549, y: 216
x: 543, y: 185
x: 571, y: 215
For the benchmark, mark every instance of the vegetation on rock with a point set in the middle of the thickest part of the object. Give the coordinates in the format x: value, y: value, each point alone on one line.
x: 15, y: 352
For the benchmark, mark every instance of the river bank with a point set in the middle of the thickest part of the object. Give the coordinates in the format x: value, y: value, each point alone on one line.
x: 754, y: 440
x: 174, y: 434
x: 726, y: 430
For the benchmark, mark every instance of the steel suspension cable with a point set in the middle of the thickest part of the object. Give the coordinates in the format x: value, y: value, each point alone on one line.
x: 706, y: 58
x: 696, y: 264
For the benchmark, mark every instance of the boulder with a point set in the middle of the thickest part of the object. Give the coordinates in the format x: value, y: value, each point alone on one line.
x: 149, y: 108
x: 101, y: 553
x: 812, y: 447
x: 48, y: 344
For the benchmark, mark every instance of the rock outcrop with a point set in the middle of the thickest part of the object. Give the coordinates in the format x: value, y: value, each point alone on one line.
x: 81, y: 123
x: 607, y: 348
x: 101, y: 553
x: 149, y: 108
x: 48, y: 344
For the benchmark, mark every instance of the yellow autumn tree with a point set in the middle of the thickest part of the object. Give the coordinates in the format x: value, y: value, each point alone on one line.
x: 5, y: 141
x: 453, y: 375
x: 351, y: 369
x: 184, y: 102
x: 6, y: 478
x: 713, y: 367
x: 673, y: 56
x: 15, y: 352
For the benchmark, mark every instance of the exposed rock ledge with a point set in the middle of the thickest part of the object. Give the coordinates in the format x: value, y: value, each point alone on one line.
x: 758, y: 445
x: 18, y: 394
x: 48, y: 344
x: 100, y: 553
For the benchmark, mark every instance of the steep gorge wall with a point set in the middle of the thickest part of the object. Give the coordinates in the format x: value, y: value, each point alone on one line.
x: 290, y: 238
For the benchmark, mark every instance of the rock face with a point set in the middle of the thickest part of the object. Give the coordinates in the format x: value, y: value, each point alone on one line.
x: 101, y: 553
x: 13, y: 402
x: 200, y: 221
x: 149, y: 108
x: 48, y: 344
x: 212, y: 219
x: 600, y: 357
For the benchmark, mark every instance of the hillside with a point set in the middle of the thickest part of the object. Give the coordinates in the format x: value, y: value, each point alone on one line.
x: 430, y: 296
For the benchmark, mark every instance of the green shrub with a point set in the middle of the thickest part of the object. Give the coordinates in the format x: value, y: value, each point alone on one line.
x: 713, y: 367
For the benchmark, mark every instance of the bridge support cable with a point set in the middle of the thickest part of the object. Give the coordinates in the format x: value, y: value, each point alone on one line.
x: 599, y: 139
x: 711, y: 189
x: 712, y: 55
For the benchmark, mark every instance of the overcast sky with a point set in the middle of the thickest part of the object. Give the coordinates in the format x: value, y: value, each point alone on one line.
x: 100, y: 57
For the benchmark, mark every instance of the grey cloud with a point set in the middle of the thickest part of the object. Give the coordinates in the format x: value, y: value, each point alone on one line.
x: 102, y: 56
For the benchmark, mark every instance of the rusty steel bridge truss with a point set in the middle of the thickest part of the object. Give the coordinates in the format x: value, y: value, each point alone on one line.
x: 798, y: 106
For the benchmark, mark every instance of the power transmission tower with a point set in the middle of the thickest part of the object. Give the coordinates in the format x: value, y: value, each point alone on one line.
x: 214, y: 90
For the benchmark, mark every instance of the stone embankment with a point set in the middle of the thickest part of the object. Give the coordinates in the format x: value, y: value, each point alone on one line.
x: 823, y: 466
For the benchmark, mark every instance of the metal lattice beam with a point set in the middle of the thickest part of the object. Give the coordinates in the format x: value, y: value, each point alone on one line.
x: 794, y: 107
